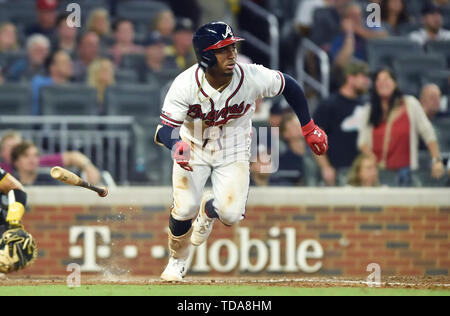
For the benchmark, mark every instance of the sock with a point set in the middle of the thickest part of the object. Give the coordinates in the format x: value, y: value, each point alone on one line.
x: 210, y: 210
x: 179, y: 228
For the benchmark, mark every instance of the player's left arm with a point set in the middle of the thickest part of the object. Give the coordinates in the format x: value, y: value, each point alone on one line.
x: 16, y: 196
x: 314, y: 136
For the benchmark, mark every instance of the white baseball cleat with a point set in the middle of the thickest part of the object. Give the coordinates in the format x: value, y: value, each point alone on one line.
x: 203, y: 224
x: 175, y: 270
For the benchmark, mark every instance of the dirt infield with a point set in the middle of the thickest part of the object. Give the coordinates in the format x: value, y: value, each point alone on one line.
x: 441, y: 282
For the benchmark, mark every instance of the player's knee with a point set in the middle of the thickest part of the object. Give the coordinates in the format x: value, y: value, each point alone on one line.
x: 185, y: 212
x: 230, y: 219
x: 232, y: 214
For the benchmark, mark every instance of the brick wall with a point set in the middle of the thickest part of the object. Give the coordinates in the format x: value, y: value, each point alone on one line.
x: 403, y: 240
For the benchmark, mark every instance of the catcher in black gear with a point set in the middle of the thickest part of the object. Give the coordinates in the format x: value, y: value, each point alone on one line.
x: 18, y: 249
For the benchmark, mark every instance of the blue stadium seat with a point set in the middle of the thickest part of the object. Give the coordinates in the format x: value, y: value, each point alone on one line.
x: 382, y: 52
x: 326, y: 26
x: 132, y: 61
x: 7, y: 59
x: 442, y: 127
x: 87, y: 6
x: 15, y: 99
x: 140, y: 101
x: 410, y: 70
x: 126, y: 76
x: 440, y: 48
x: 21, y: 12
x: 141, y: 13
x: 68, y: 100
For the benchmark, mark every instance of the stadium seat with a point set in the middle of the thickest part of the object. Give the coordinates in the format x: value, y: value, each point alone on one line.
x: 132, y: 61
x: 86, y: 6
x: 414, y: 8
x: 440, y: 78
x: 126, y: 76
x: 68, y: 100
x: 7, y: 59
x: 21, y: 12
x: 442, y: 128
x: 326, y: 26
x: 162, y: 78
x: 423, y: 175
x: 15, y: 99
x: 440, y: 48
x: 140, y: 101
x: 382, y: 52
x: 141, y: 13
x: 410, y: 70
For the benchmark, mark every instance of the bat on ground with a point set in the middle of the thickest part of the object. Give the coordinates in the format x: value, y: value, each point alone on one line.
x: 71, y: 178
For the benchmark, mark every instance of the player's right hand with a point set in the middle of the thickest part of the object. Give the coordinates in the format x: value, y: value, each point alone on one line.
x: 182, y: 155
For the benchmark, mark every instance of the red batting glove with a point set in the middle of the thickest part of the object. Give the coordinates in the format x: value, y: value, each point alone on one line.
x: 182, y: 155
x: 316, y: 138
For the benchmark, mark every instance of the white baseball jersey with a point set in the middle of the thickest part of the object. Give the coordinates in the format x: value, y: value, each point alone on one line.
x: 219, y: 121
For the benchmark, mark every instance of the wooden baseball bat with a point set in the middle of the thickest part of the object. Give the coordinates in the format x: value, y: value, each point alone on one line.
x: 71, y: 178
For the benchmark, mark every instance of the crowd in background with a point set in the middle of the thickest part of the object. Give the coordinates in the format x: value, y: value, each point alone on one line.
x: 375, y: 130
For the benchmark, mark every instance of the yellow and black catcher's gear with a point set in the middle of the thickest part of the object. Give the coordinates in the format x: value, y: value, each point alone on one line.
x: 18, y: 250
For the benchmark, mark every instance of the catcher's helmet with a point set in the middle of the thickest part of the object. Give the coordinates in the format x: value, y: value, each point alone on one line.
x: 212, y: 36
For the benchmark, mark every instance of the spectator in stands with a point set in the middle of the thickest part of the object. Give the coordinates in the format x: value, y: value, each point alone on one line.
x: 155, y: 58
x: 88, y: 51
x: 25, y: 159
x: 8, y: 38
x: 182, y: 51
x: 38, y: 49
x: 394, y: 15
x: 393, y: 124
x: 432, y: 26
x: 99, y: 23
x: 60, y: 70
x: 261, y: 168
x: 124, y: 41
x: 364, y: 172
x: 291, y: 168
x: 2, y: 80
x: 351, y: 44
x: 100, y: 77
x: 304, y: 16
x: 430, y: 98
x: 66, y: 37
x: 340, y: 116
x: 165, y: 24
x: 47, y: 13
x: 69, y: 159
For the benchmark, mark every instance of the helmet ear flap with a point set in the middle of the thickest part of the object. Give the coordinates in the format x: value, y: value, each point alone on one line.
x: 208, y: 59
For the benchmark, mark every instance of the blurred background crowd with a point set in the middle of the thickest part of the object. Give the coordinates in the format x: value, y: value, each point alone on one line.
x: 88, y: 98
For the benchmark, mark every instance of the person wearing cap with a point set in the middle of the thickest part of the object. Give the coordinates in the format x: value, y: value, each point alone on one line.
x: 432, y: 29
x: 155, y: 58
x: 47, y: 15
x: 340, y: 116
x: 182, y: 50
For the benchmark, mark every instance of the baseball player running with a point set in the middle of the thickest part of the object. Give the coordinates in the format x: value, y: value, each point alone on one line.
x: 207, y: 123
x: 17, y: 247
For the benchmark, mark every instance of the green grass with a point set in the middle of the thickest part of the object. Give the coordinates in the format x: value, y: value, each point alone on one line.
x: 202, y: 290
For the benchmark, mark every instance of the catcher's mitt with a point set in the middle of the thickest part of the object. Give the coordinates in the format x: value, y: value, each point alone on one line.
x: 18, y: 250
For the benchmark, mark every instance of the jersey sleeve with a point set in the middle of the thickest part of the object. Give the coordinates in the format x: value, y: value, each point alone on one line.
x: 175, y: 106
x: 270, y: 83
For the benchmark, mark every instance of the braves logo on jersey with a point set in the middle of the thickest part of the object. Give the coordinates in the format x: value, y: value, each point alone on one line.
x: 219, y: 117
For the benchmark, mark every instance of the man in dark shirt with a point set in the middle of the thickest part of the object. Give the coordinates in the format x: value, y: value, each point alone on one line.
x: 340, y: 116
x: 47, y: 12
